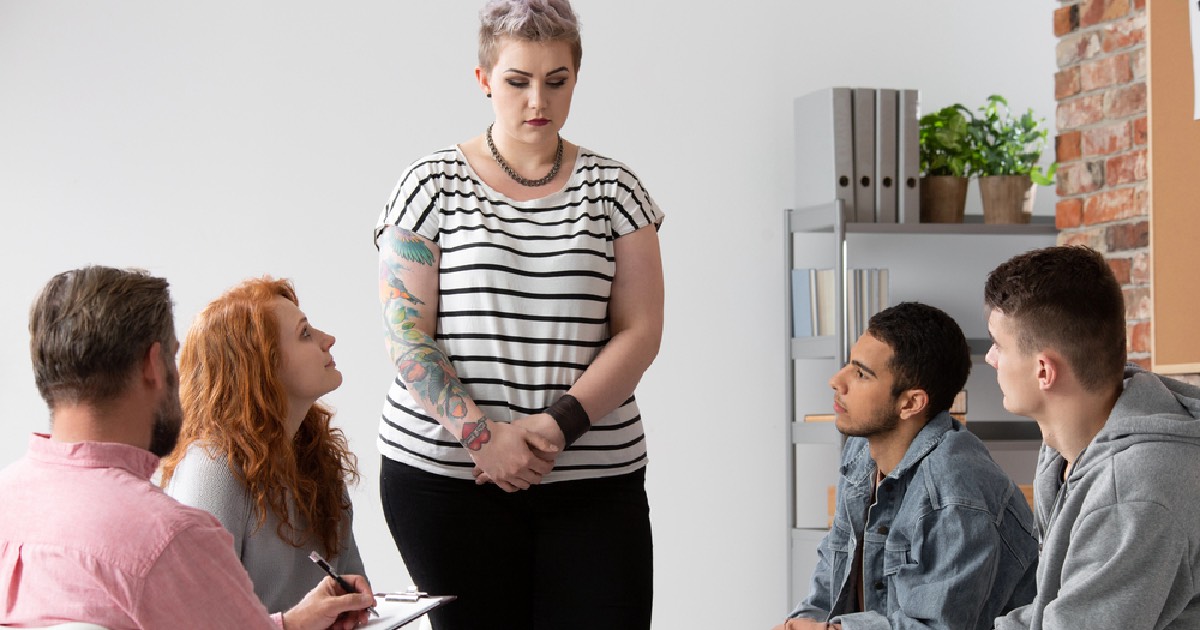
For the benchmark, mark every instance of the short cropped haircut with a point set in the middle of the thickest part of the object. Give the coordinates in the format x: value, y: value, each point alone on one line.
x: 929, y: 351
x: 529, y: 20
x: 89, y: 328
x: 1068, y: 299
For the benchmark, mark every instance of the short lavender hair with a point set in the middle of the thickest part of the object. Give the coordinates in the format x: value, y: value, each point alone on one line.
x: 529, y: 20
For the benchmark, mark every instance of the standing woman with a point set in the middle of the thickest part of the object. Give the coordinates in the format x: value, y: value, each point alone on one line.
x: 257, y: 450
x: 523, y: 297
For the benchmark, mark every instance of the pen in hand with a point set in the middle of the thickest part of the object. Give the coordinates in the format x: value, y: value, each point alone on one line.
x: 316, y: 557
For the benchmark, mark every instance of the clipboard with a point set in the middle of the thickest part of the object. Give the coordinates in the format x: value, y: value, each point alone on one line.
x: 400, y: 609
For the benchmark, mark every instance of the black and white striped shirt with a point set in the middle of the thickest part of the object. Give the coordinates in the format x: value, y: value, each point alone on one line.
x: 523, y: 304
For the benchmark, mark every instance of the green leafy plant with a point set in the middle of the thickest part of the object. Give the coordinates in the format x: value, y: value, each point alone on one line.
x: 1005, y: 144
x: 945, y: 141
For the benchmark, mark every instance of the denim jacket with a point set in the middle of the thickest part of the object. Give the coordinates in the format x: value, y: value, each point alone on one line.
x: 949, y: 542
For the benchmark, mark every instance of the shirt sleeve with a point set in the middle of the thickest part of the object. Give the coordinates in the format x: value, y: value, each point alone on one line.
x: 204, y: 482
x: 198, y: 583
x: 944, y: 580
x: 413, y: 204
x: 633, y: 207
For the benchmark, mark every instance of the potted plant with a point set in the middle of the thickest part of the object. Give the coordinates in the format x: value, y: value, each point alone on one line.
x: 946, y: 153
x: 1006, y: 152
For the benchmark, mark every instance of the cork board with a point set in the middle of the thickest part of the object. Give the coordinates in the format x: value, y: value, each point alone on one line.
x: 1174, y: 173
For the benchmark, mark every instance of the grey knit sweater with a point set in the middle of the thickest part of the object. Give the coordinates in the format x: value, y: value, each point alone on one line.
x: 282, y: 574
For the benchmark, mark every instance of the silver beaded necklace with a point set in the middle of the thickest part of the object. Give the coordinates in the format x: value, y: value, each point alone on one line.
x: 532, y: 183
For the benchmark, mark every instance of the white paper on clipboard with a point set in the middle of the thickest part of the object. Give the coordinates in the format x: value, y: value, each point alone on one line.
x: 395, y: 614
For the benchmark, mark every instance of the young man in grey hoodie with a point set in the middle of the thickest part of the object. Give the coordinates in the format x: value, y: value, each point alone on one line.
x: 1117, y: 494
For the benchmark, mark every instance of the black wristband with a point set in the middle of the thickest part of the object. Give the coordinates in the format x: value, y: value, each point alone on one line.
x: 570, y: 416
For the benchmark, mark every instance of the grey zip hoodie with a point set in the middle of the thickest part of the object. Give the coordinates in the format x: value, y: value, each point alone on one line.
x: 1120, y: 539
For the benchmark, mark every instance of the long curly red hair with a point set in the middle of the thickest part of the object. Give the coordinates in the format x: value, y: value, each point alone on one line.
x: 233, y: 401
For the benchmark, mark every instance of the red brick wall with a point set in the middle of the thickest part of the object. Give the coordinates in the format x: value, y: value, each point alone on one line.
x: 1101, y: 146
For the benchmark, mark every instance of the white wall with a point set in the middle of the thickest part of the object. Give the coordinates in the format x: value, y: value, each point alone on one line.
x: 213, y: 141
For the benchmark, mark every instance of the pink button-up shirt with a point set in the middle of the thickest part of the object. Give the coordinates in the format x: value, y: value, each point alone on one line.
x: 85, y: 536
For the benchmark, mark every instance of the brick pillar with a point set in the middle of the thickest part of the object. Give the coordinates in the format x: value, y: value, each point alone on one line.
x: 1101, y: 146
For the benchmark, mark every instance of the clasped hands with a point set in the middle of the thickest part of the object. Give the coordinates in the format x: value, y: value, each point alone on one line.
x: 519, y: 453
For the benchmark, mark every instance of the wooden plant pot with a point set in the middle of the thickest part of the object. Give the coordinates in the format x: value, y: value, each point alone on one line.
x: 1006, y: 198
x: 943, y: 198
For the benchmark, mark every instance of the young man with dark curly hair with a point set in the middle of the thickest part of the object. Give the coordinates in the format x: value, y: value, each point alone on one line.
x: 928, y: 532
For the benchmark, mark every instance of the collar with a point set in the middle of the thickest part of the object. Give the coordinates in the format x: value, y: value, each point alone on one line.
x: 860, y: 469
x: 137, y: 461
x: 926, y: 440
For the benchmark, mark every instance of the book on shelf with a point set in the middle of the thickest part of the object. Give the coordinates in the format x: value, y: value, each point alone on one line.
x: 959, y: 405
x: 813, y: 304
x: 814, y: 301
x: 824, y: 296
x: 802, y: 322
x: 868, y: 294
x: 831, y: 503
x: 958, y: 408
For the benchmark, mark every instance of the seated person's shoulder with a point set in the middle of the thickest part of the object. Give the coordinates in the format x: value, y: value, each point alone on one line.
x: 963, y: 472
x: 202, y: 457
x: 132, y: 527
x: 203, y: 479
x: 172, y: 516
x: 1163, y: 472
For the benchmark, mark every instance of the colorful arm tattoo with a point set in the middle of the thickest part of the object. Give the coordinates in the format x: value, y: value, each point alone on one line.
x: 422, y: 365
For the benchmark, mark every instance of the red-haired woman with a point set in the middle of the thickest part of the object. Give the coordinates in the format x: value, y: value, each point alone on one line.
x: 257, y: 450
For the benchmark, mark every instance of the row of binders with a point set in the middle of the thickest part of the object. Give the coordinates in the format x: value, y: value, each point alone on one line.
x: 860, y: 145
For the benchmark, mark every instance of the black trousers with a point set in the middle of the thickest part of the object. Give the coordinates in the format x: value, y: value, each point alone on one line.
x: 570, y: 555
